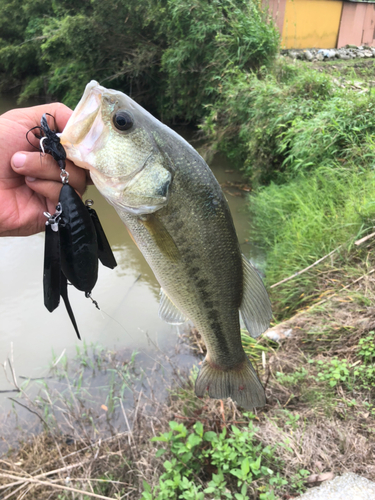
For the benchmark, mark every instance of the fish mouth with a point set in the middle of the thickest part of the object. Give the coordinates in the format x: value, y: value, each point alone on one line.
x: 85, y: 126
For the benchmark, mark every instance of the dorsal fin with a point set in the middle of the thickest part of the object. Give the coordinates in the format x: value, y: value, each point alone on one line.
x: 256, y: 306
x: 168, y: 312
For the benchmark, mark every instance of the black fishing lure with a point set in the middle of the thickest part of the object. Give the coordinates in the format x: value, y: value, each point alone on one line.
x: 78, y: 241
x: 74, y: 236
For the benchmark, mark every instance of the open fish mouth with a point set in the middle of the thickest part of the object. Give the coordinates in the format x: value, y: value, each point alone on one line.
x: 85, y: 126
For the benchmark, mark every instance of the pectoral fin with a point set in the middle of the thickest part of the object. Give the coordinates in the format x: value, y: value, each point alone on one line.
x: 168, y: 312
x: 161, y: 237
x: 256, y: 306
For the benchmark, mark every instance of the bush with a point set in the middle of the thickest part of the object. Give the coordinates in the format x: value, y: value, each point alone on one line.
x: 290, y: 120
x: 255, y: 111
x: 172, y: 55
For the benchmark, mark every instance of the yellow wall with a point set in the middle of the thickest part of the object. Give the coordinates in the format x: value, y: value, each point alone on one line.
x: 311, y: 23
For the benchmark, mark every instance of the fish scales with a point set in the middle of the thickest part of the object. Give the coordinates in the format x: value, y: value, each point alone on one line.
x: 177, y: 214
x: 206, y: 282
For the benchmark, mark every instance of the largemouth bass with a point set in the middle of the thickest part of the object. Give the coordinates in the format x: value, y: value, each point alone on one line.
x: 177, y: 214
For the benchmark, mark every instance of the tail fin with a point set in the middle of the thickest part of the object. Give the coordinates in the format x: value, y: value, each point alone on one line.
x: 241, y: 384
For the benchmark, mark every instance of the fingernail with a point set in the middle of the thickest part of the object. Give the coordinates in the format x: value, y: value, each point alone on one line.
x: 18, y: 160
x: 30, y: 179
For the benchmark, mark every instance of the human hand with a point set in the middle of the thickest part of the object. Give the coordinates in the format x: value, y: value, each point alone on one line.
x: 30, y: 184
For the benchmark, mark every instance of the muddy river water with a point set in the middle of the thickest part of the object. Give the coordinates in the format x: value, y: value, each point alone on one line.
x: 128, y: 295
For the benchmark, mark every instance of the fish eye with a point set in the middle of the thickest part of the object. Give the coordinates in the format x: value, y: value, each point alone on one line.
x: 123, y: 120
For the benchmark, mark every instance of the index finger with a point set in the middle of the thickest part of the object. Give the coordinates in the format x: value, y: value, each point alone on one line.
x: 58, y: 110
x: 30, y: 117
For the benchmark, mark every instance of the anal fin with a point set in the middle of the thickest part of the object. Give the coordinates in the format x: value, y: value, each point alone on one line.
x: 256, y: 306
x: 168, y: 312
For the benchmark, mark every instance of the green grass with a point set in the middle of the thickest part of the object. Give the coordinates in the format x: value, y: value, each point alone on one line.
x: 299, y: 222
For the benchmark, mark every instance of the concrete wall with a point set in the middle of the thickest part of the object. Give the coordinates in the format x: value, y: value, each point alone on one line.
x: 310, y: 23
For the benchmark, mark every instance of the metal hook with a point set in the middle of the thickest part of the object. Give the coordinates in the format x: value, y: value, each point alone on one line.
x: 43, y: 153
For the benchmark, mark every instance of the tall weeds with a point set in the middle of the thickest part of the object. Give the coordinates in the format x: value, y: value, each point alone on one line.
x: 301, y: 221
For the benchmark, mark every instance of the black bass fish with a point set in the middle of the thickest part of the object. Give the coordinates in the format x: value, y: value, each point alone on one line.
x: 177, y: 214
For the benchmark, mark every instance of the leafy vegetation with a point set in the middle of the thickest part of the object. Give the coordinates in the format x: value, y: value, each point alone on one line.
x: 170, y: 54
x: 241, y: 465
x: 359, y: 374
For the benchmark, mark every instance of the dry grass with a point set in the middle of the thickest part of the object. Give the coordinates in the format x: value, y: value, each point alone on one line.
x: 328, y: 428
x: 47, y: 467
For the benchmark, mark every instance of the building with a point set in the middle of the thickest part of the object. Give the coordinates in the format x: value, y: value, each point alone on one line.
x: 324, y: 24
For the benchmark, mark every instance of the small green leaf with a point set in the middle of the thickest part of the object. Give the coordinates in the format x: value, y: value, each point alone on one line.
x: 146, y: 487
x: 245, y: 466
x: 194, y: 440
x: 199, y: 428
x: 209, y: 436
x: 255, y: 465
x: 237, y: 473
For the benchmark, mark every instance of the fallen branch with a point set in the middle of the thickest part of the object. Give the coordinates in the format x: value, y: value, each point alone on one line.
x: 40, y: 476
x: 306, y: 268
x: 308, y: 309
x: 26, y: 480
x: 31, y: 411
x: 365, y: 238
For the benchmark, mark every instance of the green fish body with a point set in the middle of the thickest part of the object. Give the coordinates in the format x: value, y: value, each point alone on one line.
x: 177, y: 214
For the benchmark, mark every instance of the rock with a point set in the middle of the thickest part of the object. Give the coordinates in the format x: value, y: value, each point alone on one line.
x: 349, y: 46
x: 293, y: 54
x: 326, y: 53
x: 308, y: 55
x: 331, y: 53
x: 367, y: 53
x: 343, y: 56
x: 347, y: 486
x: 360, y: 54
x: 319, y: 56
x: 319, y: 478
x: 279, y: 333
